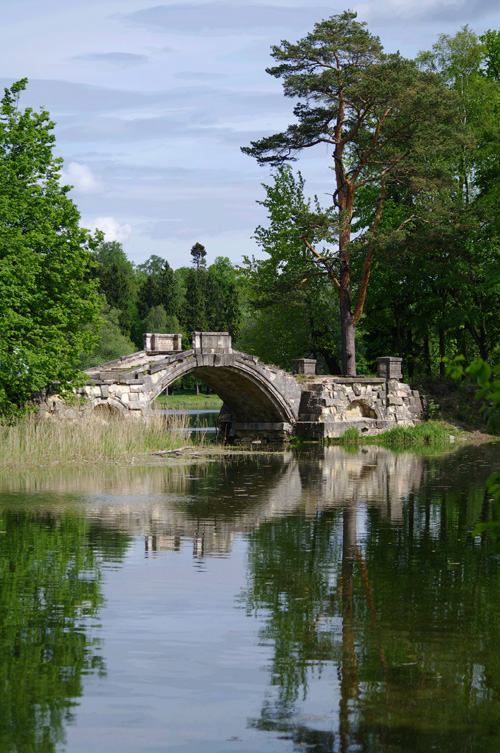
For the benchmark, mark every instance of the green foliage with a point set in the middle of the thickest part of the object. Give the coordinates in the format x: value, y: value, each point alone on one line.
x: 491, y: 61
x: 118, y: 283
x: 156, y: 320
x: 435, y: 289
x: 488, y: 379
x: 48, y: 306
x: 198, y: 254
x: 194, y: 316
x: 112, y: 342
x: 211, y: 300
x: 427, y: 432
x: 293, y: 309
x: 350, y: 435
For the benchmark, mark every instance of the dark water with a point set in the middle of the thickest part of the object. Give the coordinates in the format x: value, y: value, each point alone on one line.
x: 322, y: 601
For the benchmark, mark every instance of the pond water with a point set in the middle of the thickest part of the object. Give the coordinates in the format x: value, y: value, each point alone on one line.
x: 202, y: 421
x: 322, y: 600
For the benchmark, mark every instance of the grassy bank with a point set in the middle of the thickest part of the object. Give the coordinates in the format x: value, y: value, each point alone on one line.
x: 33, y: 443
x: 189, y: 402
x: 428, y: 432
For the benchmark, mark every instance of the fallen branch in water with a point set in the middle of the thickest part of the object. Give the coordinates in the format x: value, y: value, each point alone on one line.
x: 172, y: 452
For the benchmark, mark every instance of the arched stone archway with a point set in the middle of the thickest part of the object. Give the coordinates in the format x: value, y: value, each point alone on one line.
x: 251, y: 391
x: 258, y: 399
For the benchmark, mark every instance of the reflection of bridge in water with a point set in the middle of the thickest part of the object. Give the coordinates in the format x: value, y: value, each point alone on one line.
x: 211, y: 503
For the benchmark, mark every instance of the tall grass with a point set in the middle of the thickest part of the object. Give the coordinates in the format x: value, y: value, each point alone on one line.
x: 427, y: 432
x: 90, y: 439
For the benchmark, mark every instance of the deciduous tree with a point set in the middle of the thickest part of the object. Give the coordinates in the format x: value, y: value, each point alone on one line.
x: 48, y: 306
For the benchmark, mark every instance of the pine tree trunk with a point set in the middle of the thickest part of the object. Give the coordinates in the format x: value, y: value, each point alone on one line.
x: 347, y: 326
x: 348, y: 338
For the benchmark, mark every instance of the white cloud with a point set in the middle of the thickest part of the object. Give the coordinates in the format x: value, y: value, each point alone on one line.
x: 80, y: 177
x: 112, y: 229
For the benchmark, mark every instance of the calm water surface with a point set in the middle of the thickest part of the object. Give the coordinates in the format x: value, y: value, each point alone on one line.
x: 322, y: 601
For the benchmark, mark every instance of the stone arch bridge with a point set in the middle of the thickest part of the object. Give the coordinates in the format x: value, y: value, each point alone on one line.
x: 261, y: 402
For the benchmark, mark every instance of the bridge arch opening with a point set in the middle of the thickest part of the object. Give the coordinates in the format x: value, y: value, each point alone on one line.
x: 245, y: 398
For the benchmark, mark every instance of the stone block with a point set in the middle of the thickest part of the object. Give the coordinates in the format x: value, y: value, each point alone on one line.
x: 389, y: 367
x: 395, y: 400
x: 304, y: 366
x: 155, y: 342
x: 212, y: 342
x: 136, y: 388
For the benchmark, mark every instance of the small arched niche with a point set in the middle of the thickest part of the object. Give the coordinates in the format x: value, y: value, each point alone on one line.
x: 360, y: 409
x: 106, y: 412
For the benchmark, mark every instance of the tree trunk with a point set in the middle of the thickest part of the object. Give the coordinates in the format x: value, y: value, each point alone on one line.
x: 410, y: 355
x: 427, y: 354
x: 347, y: 325
x: 442, y: 352
x: 349, y: 681
x: 331, y: 361
x: 398, y: 334
x: 348, y: 339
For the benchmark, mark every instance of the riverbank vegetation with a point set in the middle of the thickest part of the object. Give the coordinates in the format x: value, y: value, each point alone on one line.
x: 428, y: 432
x: 31, y: 442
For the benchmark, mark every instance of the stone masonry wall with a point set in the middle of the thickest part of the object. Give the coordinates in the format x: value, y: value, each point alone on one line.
x: 331, y: 405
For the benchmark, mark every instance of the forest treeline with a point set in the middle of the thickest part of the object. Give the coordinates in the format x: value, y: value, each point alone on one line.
x: 431, y: 257
x: 403, y: 261
x: 152, y: 297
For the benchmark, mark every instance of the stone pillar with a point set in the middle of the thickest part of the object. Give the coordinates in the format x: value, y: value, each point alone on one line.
x: 155, y: 342
x: 212, y: 342
x: 389, y: 367
x: 305, y: 366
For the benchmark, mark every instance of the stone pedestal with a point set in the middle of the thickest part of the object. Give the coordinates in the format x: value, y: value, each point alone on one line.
x: 212, y: 342
x: 305, y: 366
x: 389, y: 367
x: 155, y: 342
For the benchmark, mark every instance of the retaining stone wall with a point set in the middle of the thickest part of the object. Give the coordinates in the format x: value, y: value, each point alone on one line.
x: 331, y: 405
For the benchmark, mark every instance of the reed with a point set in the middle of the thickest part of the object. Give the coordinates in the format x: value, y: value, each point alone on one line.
x: 33, y: 442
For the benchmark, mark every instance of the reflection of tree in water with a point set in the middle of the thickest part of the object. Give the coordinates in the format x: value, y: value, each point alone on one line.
x: 408, y: 616
x: 50, y: 594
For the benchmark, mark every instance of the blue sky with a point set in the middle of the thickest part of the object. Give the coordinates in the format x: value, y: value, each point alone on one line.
x: 153, y: 102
